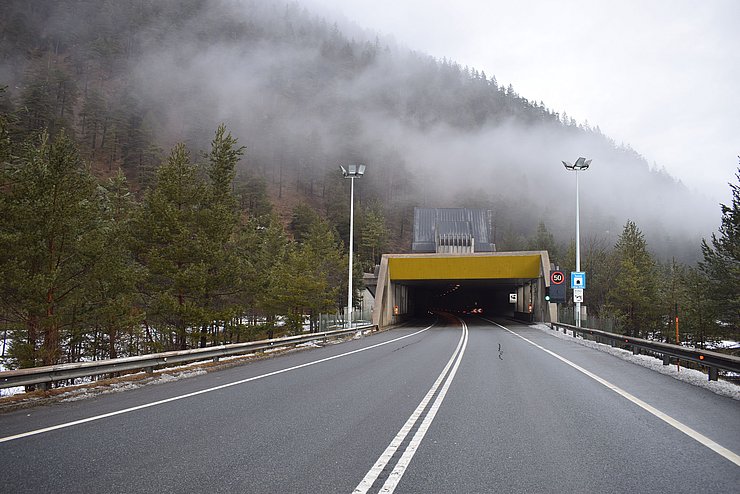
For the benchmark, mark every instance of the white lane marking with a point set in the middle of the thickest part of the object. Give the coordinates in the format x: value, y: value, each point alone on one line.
x: 202, y: 391
x: 395, y: 476
x: 697, y: 436
x: 372, y: 475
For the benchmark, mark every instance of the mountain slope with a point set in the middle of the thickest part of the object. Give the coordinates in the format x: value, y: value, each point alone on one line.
x: 129, y: 78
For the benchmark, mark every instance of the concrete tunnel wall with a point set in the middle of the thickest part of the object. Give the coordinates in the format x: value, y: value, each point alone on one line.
x: 526, y: 273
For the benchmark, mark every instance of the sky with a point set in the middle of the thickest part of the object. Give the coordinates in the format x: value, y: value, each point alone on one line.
x: 659, y: 75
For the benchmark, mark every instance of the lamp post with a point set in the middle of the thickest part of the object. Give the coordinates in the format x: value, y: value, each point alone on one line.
x: 581, y: 164
x: 351, y: 172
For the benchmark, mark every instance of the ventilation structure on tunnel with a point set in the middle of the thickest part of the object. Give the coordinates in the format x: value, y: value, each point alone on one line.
x: 454, y: 237
x: 455, y: 243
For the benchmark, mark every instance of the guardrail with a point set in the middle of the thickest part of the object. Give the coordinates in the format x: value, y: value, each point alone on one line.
x: 712, y: 360
x: 48, y: 374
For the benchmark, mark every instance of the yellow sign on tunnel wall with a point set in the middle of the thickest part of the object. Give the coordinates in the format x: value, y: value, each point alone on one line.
x: 464, y: 267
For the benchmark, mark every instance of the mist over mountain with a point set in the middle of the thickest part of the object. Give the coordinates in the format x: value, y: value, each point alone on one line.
x: 304, y: 94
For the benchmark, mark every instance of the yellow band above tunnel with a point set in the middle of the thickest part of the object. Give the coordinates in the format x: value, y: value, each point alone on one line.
x: 464, y: 267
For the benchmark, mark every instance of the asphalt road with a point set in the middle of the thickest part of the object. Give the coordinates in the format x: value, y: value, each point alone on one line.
x: 454, y: 408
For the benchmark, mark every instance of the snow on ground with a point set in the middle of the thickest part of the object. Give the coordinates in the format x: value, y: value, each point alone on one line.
x: 691, y: 376
x: 11, y: 391
x: 169, y: 376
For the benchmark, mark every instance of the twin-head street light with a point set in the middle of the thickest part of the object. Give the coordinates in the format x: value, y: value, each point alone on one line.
x: 580, y: 165
x: 351, y: 172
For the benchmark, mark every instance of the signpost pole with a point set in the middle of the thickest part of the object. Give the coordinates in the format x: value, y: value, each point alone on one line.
x: 581, y: 164
x: 578, y: 250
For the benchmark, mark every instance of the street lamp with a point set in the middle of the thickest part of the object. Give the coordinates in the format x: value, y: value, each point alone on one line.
x: 580, y: 165
x: 351, y: 172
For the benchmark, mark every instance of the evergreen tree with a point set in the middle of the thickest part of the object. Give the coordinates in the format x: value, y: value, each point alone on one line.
x: 51, y: 244
x: 251, y: 193
x: 304, y: 217
x: 223, y: 158
x: 227, y: 269
x: 699, y: 315
x: 721, y: 263
x: 170, y: 243
x: 599, y: 265
x: 111, y: 294
x: 544, y: 240
x: 308, y: 281
x: 271, y: 253
x: 327, y: 266
x: 373, y: 236
x: 674, y: 298
x: 633, y: 298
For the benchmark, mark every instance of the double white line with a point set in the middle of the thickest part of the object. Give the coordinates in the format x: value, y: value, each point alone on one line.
x: 443, y: 381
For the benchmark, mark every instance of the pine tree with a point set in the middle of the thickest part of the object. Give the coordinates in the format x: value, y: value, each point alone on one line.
x: 721, y: 263
x: 699, y: 315
x: 227, y: 270
x: 303, y: 218
x: 170, y: 244
x: 373, y: 236
x: 50, y: 247
x: 271, y: 253
x: 327, y: 266
x: 633, y: 298
x: 111, y: 295
x: 674, y: 299
x: 308, y: 280
x: 544, y: 240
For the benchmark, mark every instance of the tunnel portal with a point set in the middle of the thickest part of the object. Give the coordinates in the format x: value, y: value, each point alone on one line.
x: 412, y: 285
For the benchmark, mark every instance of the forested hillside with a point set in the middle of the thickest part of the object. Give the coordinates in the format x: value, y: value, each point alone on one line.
x: 132, y: 227
x: 131, y: 79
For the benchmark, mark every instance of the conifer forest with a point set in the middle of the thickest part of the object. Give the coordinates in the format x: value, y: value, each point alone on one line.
x: 169, y: 179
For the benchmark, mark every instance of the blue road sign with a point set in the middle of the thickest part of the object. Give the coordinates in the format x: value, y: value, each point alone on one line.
x: 578, y: 279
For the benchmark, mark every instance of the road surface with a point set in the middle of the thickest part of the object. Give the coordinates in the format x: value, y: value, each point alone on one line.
x: 447, y: 406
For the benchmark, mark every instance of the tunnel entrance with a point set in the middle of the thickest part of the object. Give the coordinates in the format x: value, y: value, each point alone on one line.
x: 509, y: 284
x: 462, y: 297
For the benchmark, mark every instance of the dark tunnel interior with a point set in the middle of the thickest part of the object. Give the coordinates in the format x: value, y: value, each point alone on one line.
x: 487, y: 297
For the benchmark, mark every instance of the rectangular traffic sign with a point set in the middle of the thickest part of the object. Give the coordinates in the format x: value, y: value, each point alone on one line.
x: 578, y: 295
x: 512, y: 298
x: 578, y: 279
x: 557, y: 294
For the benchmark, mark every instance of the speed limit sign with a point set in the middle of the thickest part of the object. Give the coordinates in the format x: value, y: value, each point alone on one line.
x: 557, y: 277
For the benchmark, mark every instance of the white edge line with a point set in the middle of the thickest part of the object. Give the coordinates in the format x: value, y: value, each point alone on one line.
x: 693, y: 434
x: 372, y: 475
x: 196, y: 393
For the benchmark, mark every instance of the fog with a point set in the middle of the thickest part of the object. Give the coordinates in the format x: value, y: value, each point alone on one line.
x: 295, y: 96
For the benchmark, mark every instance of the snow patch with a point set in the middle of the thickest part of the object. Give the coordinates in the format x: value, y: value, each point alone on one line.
x: 84, y: 393
x: 308, y: 344
x: 691, y: 376
x: 12, y: 391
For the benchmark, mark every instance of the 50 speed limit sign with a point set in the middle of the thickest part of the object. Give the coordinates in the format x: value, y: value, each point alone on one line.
x: 557, y: 278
